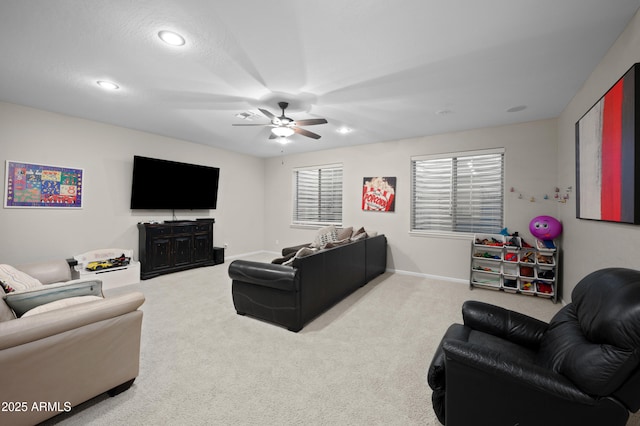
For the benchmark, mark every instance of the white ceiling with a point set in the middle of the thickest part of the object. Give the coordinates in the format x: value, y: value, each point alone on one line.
x: 387, y: 69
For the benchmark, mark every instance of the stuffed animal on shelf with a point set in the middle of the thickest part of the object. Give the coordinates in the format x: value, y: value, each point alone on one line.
x: 545, y: 228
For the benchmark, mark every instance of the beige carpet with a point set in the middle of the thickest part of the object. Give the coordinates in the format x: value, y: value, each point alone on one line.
x: 363, y: 362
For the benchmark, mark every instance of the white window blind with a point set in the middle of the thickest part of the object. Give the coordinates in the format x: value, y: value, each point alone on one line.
x: 458, y: 193
x: 317, y: 195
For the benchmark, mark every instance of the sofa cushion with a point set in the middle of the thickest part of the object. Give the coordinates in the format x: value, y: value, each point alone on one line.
x: 303, y: 252
x: 283, y: 259
x: 325, y: 235
x: 337, y: 243
x: 48, y: 272
x: 15, y: 280
x: 359, y: 236
x: 59, y: 304
x: 345, y: 233
x: 24, y: 301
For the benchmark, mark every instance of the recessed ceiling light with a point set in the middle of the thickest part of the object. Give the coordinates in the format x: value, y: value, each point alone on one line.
x: 169, y: 37
x: 517, y: 108
x: 344, y: 130
x: 108, y: 85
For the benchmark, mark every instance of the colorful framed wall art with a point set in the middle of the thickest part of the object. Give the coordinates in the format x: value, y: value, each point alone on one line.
x: 378, y: 194
x: 31, y: 185
x: 608, y: 155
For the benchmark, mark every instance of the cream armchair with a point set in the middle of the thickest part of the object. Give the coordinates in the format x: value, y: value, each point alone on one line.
x: 53, y: 360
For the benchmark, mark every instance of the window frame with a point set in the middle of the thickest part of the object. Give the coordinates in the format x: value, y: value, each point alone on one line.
x: 452, y: 233
x: 322, y: 220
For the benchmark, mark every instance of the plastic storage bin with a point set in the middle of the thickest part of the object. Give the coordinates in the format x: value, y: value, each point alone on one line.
x: 486, y: 280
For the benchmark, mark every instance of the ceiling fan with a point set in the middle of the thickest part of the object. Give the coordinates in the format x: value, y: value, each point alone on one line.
x: 284, y: 126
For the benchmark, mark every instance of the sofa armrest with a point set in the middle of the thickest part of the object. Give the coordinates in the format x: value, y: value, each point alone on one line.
x: 48, y: 272
x: 264, y: 274
x: 503, y: 323
x: 24, y: 330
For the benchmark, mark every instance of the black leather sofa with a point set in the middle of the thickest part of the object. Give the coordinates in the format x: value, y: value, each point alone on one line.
x: 291, y: 296
x: 582, y: 368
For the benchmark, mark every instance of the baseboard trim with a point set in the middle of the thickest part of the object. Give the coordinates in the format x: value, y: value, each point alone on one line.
x: 252, y: 253
x: 429, y: 276
x: 390, y: 270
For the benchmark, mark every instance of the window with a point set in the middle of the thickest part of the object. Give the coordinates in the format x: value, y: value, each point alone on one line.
x: 317, y: 195
x: 461, y: 192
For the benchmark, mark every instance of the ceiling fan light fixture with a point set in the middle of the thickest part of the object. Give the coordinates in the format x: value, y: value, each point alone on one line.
x: 283, y: 140
x: 169, y: 37
x: 283, y: 132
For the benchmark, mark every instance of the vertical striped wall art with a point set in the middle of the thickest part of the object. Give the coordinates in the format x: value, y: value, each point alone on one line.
x: 607, y: 175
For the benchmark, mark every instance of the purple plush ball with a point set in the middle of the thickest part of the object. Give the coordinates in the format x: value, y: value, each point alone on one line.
x: 545, y: 227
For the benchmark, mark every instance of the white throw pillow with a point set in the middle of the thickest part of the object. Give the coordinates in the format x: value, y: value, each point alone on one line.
x: 16, y: 280
x: 325, y: 235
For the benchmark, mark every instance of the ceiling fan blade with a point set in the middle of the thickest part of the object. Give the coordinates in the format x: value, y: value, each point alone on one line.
x: 306, y: 133
x: 267, y: 113
x: 310, y: 122
x: 243, y: 124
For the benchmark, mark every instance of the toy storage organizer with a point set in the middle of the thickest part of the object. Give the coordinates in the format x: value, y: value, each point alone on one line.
x: 509, y: 264
x: 112, y: 277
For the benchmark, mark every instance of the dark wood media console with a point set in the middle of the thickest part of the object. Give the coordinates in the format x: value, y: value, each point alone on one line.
x: 175, y: 246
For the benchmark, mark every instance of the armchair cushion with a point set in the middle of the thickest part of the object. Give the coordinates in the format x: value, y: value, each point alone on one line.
x: 597, y: 368
x: 21, y: 302
x: 594, y: 340
x: 606, y: 303
x: 59, y: 304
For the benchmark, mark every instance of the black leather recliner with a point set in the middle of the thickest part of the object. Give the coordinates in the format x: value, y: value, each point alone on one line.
x: 582, y: 368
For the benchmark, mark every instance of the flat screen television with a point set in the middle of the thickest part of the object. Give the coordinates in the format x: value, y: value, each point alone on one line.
x: 163, y: 184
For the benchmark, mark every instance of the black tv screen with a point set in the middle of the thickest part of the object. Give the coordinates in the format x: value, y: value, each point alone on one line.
x: 163, y: 184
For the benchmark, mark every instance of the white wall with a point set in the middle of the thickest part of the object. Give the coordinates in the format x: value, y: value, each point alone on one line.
x: 591, y: 245
x: 255, y: 195
x: 530, y: 168
x: 106, y: 153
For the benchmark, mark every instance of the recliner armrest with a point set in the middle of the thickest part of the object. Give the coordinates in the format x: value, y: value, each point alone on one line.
x: 264, y: 274
x: 497, y: 365
x: 513, y: 326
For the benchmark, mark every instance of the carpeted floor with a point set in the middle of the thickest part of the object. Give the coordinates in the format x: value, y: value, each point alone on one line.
x: 362, y: 362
